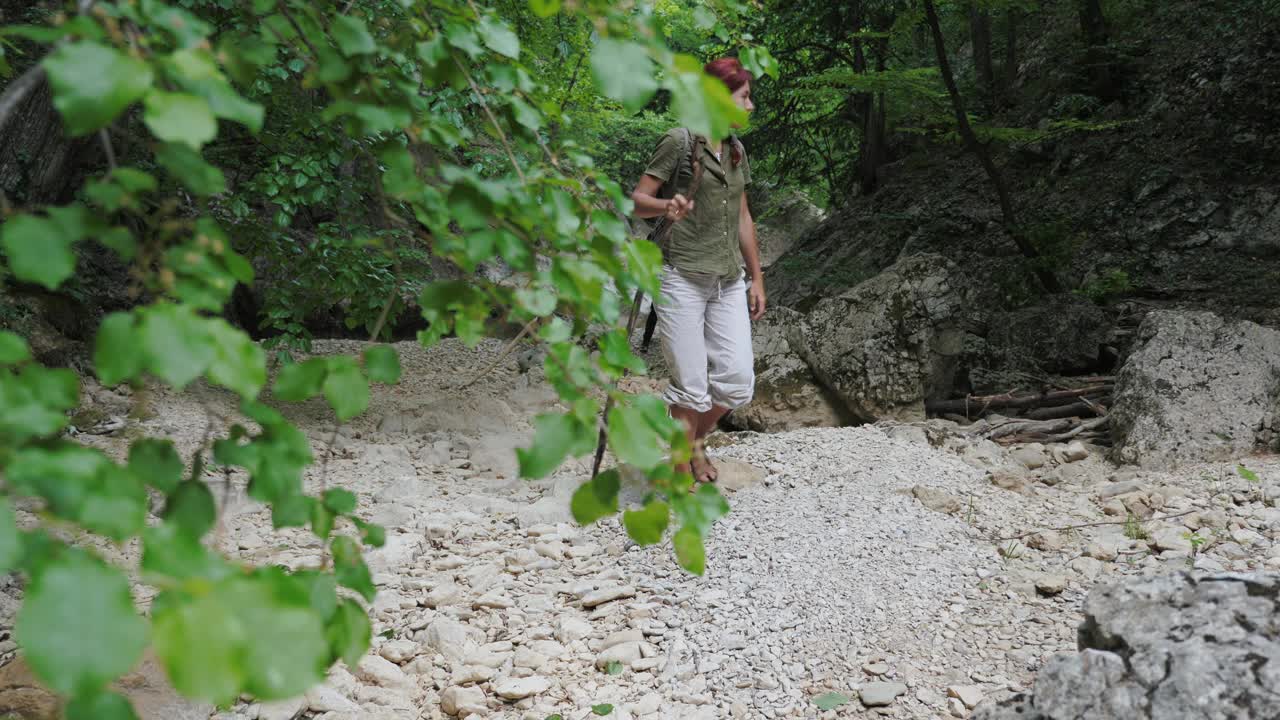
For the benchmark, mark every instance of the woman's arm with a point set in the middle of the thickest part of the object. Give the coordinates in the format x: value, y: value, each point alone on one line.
x: 649, y: 205
x: 751, y: 256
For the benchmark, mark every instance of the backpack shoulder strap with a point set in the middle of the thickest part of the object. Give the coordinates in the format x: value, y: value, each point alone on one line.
x: 670, y: 188
x: 692, y: 148
x: 662, y: 234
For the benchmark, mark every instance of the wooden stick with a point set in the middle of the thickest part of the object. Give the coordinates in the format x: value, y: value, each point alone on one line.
x: 1092, y: 424
x: 506, y: 350
x: 1077, y: 409
x: 608, y: 404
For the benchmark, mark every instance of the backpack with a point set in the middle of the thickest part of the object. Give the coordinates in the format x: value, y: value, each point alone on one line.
x: 658, y: 229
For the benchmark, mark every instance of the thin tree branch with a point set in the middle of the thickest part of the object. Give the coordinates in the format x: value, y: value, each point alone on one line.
x: 568, y: 93
x: 1047, y: 278
x: 107, y: 148
x: 1085, y: 525
x: 506, y: 350
x: 493, y: 119
x: 298, y: 29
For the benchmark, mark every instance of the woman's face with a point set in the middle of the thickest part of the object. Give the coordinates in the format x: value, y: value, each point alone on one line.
x: 742, y: 96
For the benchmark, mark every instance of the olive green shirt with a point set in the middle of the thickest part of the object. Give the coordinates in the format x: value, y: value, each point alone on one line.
x: 706, y: 240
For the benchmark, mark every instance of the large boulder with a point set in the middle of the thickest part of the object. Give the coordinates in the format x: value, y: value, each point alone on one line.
x: 1197, y: 388
x: 786, y: 218
x: 1178, y: 647
x: 890, y: 342
x: 787, y: 394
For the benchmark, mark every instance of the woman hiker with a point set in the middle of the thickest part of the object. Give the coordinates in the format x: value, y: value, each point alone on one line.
x: 706, y: 298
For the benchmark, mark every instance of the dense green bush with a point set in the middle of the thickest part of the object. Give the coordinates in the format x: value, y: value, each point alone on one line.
x: 336, y: 145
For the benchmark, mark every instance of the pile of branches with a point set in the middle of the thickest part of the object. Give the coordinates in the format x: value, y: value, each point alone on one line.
x: 1060, y: 414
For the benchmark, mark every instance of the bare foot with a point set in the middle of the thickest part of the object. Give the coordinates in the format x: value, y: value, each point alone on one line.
x: 703, y: 469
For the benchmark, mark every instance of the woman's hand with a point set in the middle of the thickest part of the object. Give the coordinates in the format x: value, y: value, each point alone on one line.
x: 755, y: 299
x: 678, y: 208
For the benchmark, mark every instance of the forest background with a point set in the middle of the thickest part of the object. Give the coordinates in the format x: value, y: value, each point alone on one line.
x: 196, y: 189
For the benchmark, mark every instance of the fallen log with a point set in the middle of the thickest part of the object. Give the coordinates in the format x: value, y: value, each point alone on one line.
x: 1028, y: 427
x: 1084, y: 408
x: 981, y: 404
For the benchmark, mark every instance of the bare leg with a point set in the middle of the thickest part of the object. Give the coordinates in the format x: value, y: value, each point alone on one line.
x: 705, y: 471
x: 707, y: 420
x: 692, y: 422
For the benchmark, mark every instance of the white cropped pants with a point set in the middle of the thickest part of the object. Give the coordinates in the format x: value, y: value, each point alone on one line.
x: 705, y: 331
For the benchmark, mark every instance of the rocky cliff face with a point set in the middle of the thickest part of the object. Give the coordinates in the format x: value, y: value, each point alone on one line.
x: 1173, y: 206
x: 1178, y: 647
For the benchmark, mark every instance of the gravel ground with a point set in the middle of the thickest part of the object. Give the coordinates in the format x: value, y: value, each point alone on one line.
x: 866, y: 562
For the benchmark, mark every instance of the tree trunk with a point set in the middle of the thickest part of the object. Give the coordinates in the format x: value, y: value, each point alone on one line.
x: 38, y: 163
x: 873, y: 144
x: 1047, y: 279
x: 980, y: 34
x: 1097, y: 57
x: 1010, y: 49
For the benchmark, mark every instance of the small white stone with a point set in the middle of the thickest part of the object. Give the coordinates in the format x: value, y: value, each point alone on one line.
x: 648, y: 704
x: 970, y: 695
x: 626, y: 653
x: 1050, y: 584
x: 399, y: 651
x: 609, y: 594
x: 879, y: 694
x: 323, y: 698
x: 1103, y: 549
x: 520, y: 688
x: 622, y: 636
x: 527, y: 658
x: 463, y: 701
x: 468, y: 674
x: 448, y: 637
x: 443, y: 595
x: 493, y: 599
x: 570, y: 629
x: 380, y: 671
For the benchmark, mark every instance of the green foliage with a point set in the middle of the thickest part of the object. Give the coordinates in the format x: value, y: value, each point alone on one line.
x: 39, y: 248
x: 647, y: 525
x: 624, y: 72
x: 830, y: 701
x: 1133, y: 528
x: 1107, y: 286
x: 78, y: 626
x: 93, y: 83
x: 336, y: 154
x: 335, y: 274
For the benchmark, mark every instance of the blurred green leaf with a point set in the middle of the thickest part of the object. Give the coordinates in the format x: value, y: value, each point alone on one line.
x: 93, y: 83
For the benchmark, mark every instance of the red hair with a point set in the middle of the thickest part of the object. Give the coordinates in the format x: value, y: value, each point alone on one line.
x: 729, y: 71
